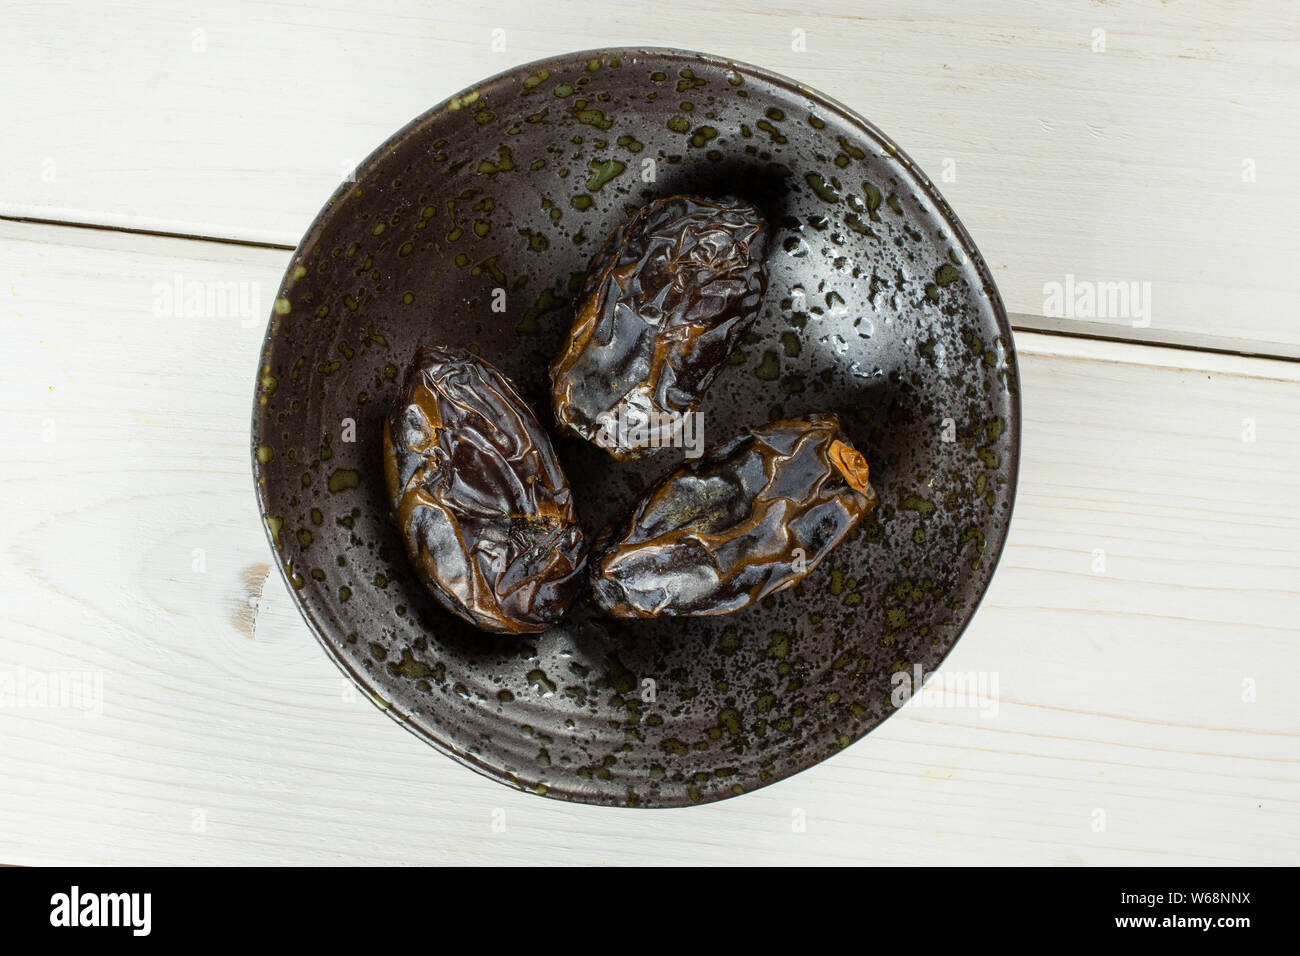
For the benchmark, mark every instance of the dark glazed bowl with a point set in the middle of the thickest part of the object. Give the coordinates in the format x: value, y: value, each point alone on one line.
x: 879, y: 308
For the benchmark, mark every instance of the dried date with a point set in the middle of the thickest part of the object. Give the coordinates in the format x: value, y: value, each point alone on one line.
x: 483, y: 507
x: 668, y: 295
x: 751, y: 517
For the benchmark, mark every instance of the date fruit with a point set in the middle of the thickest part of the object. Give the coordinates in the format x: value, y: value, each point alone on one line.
x: 483, y: 507
x: 667, y: 297
x: 751, y: 517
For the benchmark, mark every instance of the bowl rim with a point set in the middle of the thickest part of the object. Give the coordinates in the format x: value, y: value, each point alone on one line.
x: 513, y: 74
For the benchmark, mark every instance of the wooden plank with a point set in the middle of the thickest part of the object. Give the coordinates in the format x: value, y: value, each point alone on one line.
x: 1156, y: 151
x: 226, y: 736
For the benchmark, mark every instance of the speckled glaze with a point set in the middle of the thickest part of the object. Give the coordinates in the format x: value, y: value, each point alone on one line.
x: 879, y: 308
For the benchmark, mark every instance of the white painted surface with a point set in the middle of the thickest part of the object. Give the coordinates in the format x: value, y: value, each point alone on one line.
x: 1119, y: 692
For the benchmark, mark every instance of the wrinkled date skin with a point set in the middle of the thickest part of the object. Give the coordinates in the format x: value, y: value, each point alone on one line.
x: 482, y: 504
x: 669, y: 294
x: 751, y: 517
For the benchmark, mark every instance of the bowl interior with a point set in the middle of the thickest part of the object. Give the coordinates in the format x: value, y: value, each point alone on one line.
x: 474, y: 227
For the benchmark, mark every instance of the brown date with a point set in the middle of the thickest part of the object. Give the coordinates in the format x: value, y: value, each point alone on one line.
x: 483, y: 507
x: 751, y: 517
x: 668, y: 295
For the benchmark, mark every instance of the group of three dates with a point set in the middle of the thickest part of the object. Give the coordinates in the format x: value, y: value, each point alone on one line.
x: 485, y: 510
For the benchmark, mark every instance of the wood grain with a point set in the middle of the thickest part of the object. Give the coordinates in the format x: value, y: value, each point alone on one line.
x: 228, y: 737
x: 1158, y: 150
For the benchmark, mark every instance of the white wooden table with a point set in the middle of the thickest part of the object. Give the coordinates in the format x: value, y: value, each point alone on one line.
x: 1144, y: 619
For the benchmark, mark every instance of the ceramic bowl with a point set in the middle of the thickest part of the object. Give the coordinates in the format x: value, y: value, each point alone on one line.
x: 474, y: 226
